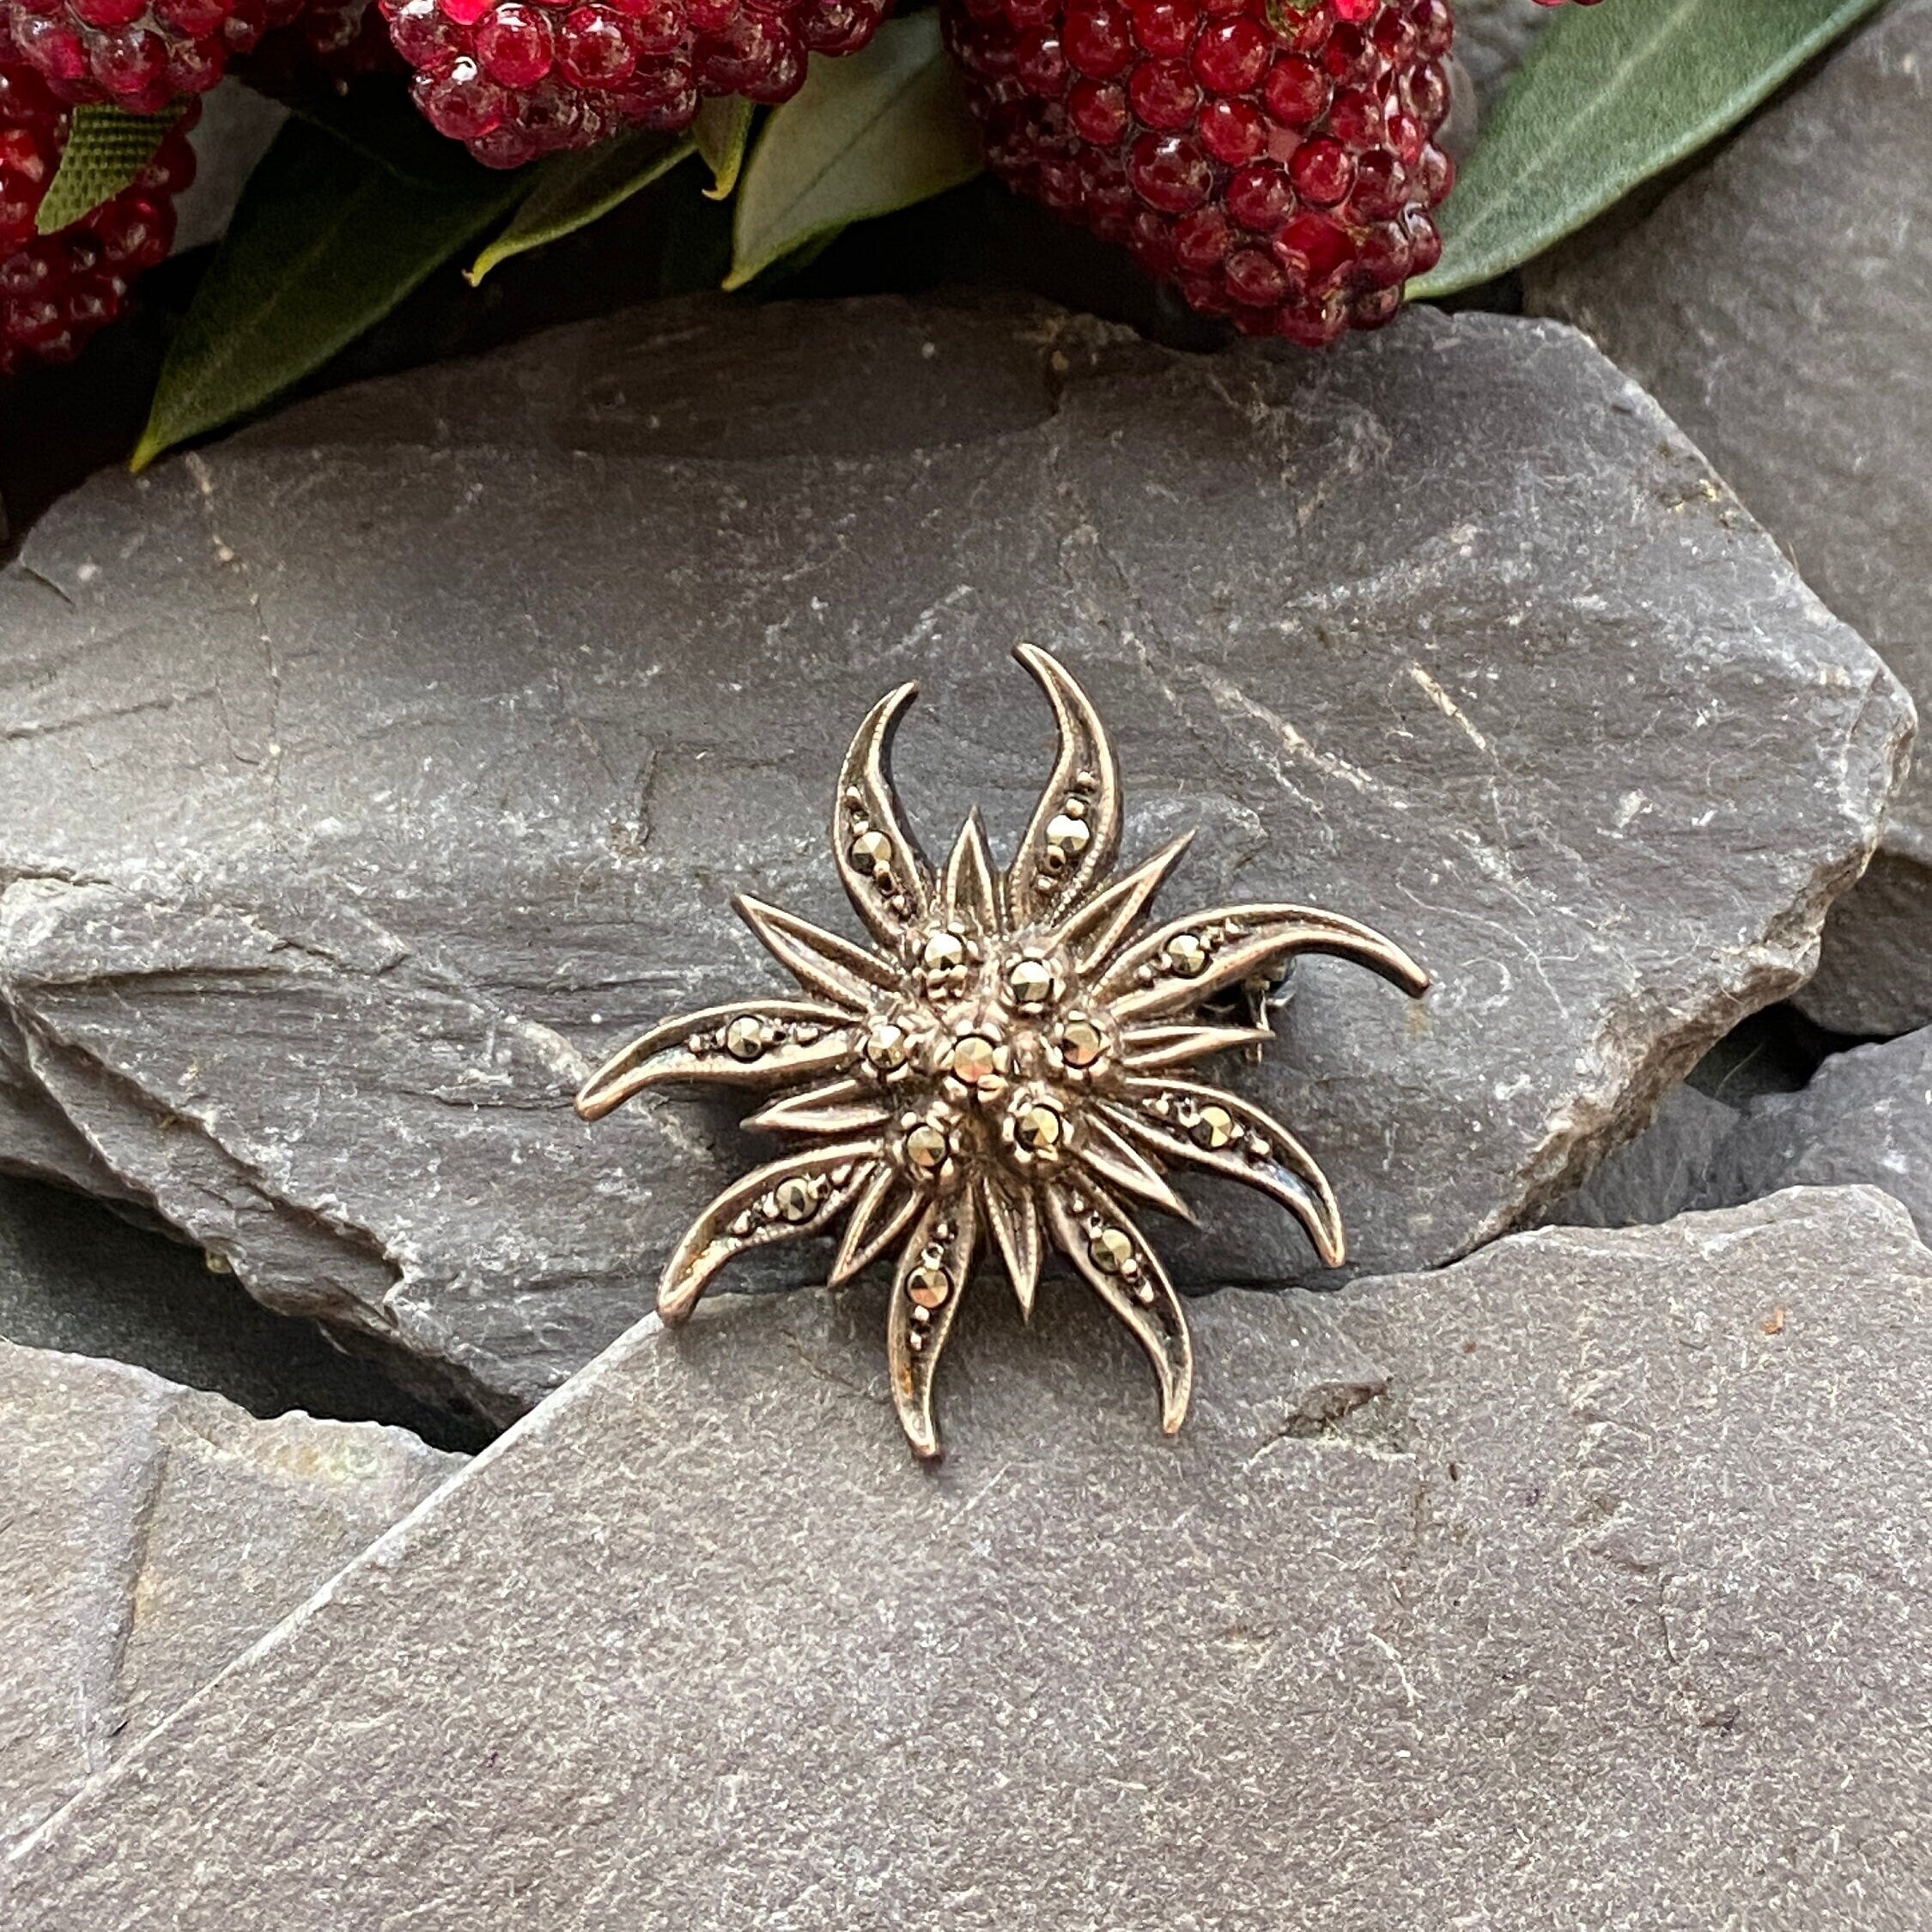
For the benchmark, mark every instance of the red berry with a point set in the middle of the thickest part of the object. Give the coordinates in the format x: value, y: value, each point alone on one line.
x: 1041, y: 65
x: 513, y: 44
x: 1233, y: 132
x: 1098, y: 111
x: 1163, y: 95
x: 1232, y: 55
x: 514, y: 79
x: 141, y: 54
x: 1276, y: 159
x: 1165, y: 28
x: 1323, y: 171
x: 1170, y: 175
x: 57, y: 289
x: 1097, y: 39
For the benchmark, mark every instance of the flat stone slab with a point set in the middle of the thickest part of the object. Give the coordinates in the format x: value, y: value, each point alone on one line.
x: 1779, y: 304
x: 366, y: 776
x: 151, y: 1534
x: 1866, y: 1117
x: 1583, y: 1583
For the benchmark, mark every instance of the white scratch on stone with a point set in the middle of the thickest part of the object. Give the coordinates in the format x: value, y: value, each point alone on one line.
x: 1388, y: 1649
x: 1449, y: 707
x: 985, y: 1490
x: 1228, y: 694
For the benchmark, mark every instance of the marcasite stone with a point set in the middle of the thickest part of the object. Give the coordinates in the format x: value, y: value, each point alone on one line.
x: 885, y: 1047
x: 364, y: 780
x: 796, y: 1200
x: 1583, y: 1585
x: 1186, y: 955
x: 944, y: 952
x: 1779, y: 304
x: 1081, y: 1042
x: 928, y: 1285
x: 745, y: 1038
x: 872, y: 849
x: 151, y: 1534
x: 1031, y: 982
x: 974, y: 1059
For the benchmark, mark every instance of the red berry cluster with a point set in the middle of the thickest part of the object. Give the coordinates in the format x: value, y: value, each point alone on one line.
x: 139, y: 54
x: 1274, y: 158
x: 57, y: 289
x: 514, y: 79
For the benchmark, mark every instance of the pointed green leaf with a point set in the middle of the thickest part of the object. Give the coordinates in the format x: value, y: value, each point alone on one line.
x: 867, y: 134
x: 324, y: 243
x: 106, y: 148
x: 799, y: 260
x: 722, y: 129
x: 1609, y: 96
x: 573, y: 191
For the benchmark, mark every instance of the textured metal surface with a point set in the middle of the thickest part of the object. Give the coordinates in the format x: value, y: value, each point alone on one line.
x: 999, y: 1063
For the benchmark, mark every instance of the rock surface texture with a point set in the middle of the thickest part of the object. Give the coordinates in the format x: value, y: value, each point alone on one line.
x: 1779, y: 304
x: 1658, y: 1175
x: 1866, y: 1118
x: 366, y: 776
x: 1581, y: 1584
x: 1491, y: 39
x: 75, y: 1277
x: 151, y: 1534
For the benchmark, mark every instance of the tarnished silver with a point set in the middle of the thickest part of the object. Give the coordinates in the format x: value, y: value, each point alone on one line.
x: 1003, y: 1067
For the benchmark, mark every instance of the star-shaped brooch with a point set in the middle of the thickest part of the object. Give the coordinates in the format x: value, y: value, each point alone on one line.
x: 1000, y: 1068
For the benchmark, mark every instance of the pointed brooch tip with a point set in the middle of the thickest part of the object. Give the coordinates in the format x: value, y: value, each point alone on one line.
x: 1000, y: 1070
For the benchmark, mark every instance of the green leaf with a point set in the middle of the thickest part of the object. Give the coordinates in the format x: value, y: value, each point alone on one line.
x: 324, y: 243
x: 722, y: 129
x: 1610, y: 96
x: 865, y: 135
x: 573, y: 191
x: 799, y: 260
x: 106, y: 148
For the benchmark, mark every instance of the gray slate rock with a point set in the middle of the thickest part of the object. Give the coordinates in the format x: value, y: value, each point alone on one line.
x: 1492, y: 38
x: 1867, y: 1117
x: 78, y: 1277
x: 365, y: 776
x: 1582, y: 1584
x: 1659, y: 1174
x: 1779, y: 304
x: 237, y: 127
x: 152, y: 1533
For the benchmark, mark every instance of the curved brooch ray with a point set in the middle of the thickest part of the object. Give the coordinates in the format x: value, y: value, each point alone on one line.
x: 999, y: 1072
